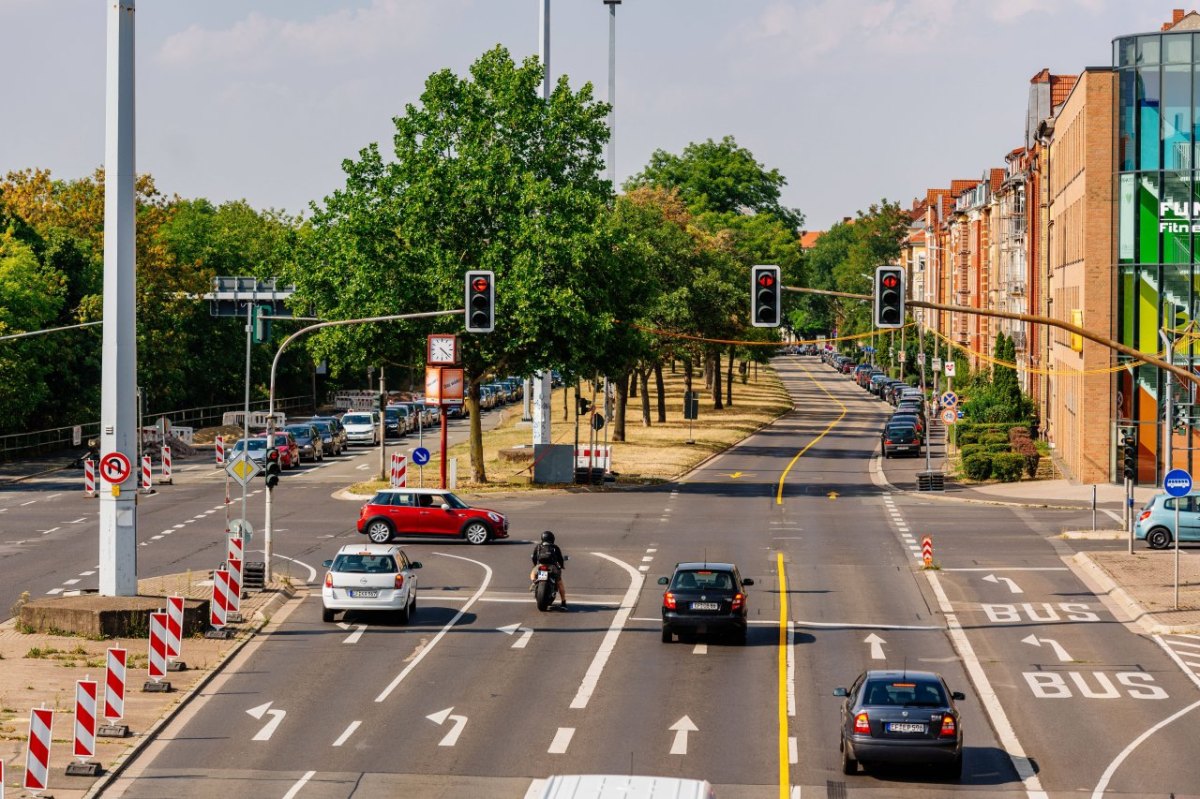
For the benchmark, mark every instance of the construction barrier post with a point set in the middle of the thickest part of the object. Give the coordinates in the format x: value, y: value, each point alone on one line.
x: 147, y: 476
x: 399, y: 471
x: 84, y: 744
x: 166, y: 465
x: 234, y: 566
x: 175, y: 633
x: 157, y: 666
x: 220, y: 451
x: 37, y: 751
x: 927, y: 551
x: 89, y: 482
x: 114, y: 695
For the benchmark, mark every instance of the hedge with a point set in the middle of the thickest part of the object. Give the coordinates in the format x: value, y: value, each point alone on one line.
x: 978, y: 466
x: 967, y: 450
x: 967, y: 436
x: 998, y: 447
x: 1008, y: 466
x: 994, y: 438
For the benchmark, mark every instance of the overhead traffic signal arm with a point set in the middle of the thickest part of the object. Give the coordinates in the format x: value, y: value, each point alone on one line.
x: 766, y: 294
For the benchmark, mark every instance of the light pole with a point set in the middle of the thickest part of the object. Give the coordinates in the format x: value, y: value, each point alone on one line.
x: 540, y: 381
x: 612, y: 91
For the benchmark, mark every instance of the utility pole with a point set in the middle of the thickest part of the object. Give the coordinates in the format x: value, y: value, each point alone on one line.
x: 118, y: 389
x: 541, y: 380
x: 383, y: 473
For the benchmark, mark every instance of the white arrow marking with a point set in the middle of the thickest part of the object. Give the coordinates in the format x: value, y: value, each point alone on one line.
x: 439, y: 718
x: 353, y: 637
x: 1012, y: 586
x: 512, y: 629
x: 1050, y: 642
x: 269, y: 729
x: 876, y: 645
x: 681, y: 729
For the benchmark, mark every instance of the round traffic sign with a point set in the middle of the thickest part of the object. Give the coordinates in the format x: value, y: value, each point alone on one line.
x: 949, y: 416
x: 420, y: 456
x: 1177, y: 483
x: 115, y: 468
x: 949, y: 399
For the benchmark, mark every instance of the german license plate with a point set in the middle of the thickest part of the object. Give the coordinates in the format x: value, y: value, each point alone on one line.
x: 905, y: 726
x: 706, y: 606
x: 363, y: 594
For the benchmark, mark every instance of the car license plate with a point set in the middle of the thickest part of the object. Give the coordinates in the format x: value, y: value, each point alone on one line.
x: 706, y: 606
x: 905, y: 726
x: 363, y: 594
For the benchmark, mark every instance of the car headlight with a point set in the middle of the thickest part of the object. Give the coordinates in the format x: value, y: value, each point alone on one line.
x: 494, y: 516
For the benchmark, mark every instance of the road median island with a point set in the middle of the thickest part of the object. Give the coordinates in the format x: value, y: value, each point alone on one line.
x: 40, y: 669
x: 1143, y: 586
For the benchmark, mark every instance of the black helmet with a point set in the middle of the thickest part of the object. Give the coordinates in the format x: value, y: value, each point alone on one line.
x: 547, y: 537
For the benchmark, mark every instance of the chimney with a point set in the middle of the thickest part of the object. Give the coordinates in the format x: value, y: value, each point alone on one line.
x: 1177, y: 16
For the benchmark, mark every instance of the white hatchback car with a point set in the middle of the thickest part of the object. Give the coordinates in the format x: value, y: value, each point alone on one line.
x: 370, y: 577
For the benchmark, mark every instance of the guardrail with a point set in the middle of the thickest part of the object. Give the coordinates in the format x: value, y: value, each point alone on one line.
x: 17, y: 445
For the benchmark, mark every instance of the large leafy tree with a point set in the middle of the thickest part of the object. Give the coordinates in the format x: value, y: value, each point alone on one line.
x: 30, y: 299
x: 486, y: 175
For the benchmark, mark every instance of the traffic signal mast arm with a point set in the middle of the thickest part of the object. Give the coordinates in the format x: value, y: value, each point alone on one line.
x: 1153, y: 360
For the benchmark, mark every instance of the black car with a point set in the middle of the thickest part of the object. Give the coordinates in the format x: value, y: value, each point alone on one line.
x: 393, y: 423
x: 907, y: 417
x: 900, y: 438
x: 901, y: 717
x: 330, y: 439
x: 705, y: 598
x: 309, y: 441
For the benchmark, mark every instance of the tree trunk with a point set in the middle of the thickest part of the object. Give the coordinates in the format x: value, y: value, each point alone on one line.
x: 658, y: 385
x: 472, y: 402
x: 644, y: 378
x: 687, y: 374
x: 622, y: 386
x: 715, y: 364
x: 633, y: 386
x: 729, y: 379
x: 566, y: 403
x: 708, y: 370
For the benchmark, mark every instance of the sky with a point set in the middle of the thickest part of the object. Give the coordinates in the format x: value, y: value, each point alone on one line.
x: 853, y: 101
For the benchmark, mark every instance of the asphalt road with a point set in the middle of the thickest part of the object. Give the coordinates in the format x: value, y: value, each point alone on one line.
x: 1061, y: 699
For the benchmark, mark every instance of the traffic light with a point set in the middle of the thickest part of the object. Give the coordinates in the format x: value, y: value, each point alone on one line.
x: 1129, y: 456
x: 582, y: 406
x: 1181, y: 413
x: 262, y: 324
x: 889, y: 296
x: 481, y: 301
x: 765, y: 296
x: 271, y: 473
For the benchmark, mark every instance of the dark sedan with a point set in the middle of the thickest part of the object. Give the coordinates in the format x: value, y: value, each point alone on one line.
x: 900, y: 438
x: 704, y: 598
x: 901, y: 717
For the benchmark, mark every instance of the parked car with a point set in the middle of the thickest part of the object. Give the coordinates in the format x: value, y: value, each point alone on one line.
x: 428, y: 511
x: 375, y: 577
x: 308, y: 439
x: 331, y: 442
x: 360, y: 428
x: 915, y: 420
x: 705, y: 597
x: 900, y: 438
x: 901, y: 717
x: 1157, y: 520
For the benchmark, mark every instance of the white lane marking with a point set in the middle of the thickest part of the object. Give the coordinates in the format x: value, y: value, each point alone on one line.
x: 647, y: 559
x: 349, y: 731
x: 186, y: 521
x: 86, y: 574
x: 487, y: 578
x: 30, y: 502
x: 681, y: 729
x: 312, y: 573
x: 179, y: 527
x: 168, y: 531
x: 295, y: 789
x: 156, y: 537
x: 562, y: 739
x: 876, y: 644
x: 700, y: 649
x: 651, y: 550
x: 1175, y: 657
x: 54, y: 496
x: 198, y: 517
x: 440, y: 718
x: 353, y: 637
x: 592, y: 677
x: 1050, y: 642
x: 55, y: 591
x: 791, y: 669
x: 1012, y: 569
x: 1102, y: 785
x: 643, y: 568
x: 51, y: 530
x: 793, y: 754
x: 1012, y: 584
x: 77, y: 521
x: 1005, y: 734
x: 1112, y: 514
x: 1189, y: 644
x: 72, y: 581
x: 513, y: 629
x: 269, y: 728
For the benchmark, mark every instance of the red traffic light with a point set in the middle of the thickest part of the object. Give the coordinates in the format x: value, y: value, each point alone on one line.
x: 766, y: 280
x: 480, y: 284
x: 891, y: 281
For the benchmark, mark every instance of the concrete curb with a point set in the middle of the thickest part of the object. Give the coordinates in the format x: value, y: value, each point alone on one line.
x: 1103, y: 585
x: 262, y: 617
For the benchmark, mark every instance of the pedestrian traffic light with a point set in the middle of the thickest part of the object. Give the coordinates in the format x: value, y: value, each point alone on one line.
x: 889, y: 296
x: 582, y: 406
x: 1180, y: 413
x: 262, y: 323
x: 765, y: 296
x: 481, y: 301
x: 271, y: 473
x: 1129, y: 456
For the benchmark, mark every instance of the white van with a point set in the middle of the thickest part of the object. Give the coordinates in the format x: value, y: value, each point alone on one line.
x: 615, y: 786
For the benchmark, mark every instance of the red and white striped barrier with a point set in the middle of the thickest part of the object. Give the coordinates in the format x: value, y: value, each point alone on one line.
x: 157, y: 667
x: 236, y: 547
x: 220, y: 450
x: 927, y: 550
x: 166, y: 465
x: 399, y: 471
x: 84, y: 746
x: 174, y: 626
x: 114, y: 685
x: 594, y: 457
x: 89, y: 482
x: 235, y: 584
x: 219, y: 606
x: 37, y: 752
x: 147, y: 475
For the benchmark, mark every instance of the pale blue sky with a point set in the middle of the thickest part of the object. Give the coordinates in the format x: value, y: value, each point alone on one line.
x: 853, y: 100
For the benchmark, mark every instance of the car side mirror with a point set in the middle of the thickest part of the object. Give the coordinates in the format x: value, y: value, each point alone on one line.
x: 840, y: 692
x: 663, y: 580
x: 445, y: 506
x: 416, y: 564
x: 957, y: 696
x: 748, y: 581
x: 327, y: 563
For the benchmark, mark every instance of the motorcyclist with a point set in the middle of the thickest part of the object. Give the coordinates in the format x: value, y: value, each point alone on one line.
x: 548, y: 553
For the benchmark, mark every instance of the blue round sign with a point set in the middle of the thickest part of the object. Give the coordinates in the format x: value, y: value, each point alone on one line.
x: 1177, y: 483
x: 420, y: 456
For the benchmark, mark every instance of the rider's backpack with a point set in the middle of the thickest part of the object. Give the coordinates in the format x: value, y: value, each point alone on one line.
x: 545, y: 554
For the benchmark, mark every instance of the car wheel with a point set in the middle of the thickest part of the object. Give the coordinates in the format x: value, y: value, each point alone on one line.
x: 476, y: 533
x: 404, y: 614
x: 1159, y: 538
x: 379, y: 531
x: 667, y: 637
x: 327, y: 615
x: 849, y: 764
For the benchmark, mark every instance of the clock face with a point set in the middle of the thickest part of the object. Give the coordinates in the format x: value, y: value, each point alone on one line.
x: 442, y: 349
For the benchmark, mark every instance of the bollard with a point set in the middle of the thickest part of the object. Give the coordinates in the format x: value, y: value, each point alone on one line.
x: 166, y: 465
x: 220, y: 451
x: 89, y: 478
x: 927, y: 551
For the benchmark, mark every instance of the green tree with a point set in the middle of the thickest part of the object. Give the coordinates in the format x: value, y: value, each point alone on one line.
x: 30, y: 299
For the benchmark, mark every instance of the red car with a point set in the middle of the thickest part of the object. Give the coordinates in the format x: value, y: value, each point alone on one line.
x: 427, y: 511
x: 289, y: 451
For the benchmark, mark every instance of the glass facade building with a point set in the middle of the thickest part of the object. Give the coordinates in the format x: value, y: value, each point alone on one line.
x: 1158, y: 223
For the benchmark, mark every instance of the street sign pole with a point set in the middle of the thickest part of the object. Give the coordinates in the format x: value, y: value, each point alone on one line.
x: 1178, y: 484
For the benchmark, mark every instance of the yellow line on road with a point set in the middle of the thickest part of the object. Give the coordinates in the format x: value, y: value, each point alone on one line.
x: 830, y: 426
x: 784, y: 760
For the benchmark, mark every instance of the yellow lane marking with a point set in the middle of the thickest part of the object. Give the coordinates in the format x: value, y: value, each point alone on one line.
x: 784, y: 760
x: 736, y: 475
x: 830, y: 426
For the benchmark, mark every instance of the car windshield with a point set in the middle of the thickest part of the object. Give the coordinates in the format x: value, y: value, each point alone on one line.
x: 254, y: 444
x: 702, y: 580
x: 323, y: 427
x: 365, y: 564
x: 356, y: 418
x: 300, y: 432
x: 911, y: 692
x: 900, y: 431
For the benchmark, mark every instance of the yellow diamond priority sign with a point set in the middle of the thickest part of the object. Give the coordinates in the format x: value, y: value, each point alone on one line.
x: 243, y: 468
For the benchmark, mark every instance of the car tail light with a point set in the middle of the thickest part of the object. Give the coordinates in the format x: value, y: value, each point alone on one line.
x: 1144, y: 516
x: 949, y: 727
x: 669, y: 601
x: 887, y: 441
x: 329, y: 579
x: 399, y: 581
x: 862, y: 724
x: 739, y: 599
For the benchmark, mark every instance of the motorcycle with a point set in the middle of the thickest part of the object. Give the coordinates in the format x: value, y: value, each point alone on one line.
x: 545, y: 586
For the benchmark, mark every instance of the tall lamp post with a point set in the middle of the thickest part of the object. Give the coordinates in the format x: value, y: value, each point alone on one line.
x: 541, y: 381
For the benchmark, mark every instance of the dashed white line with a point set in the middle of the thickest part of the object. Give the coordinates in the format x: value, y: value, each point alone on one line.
x: 651, y: 550
x: 51, y: 530
x: 643, y: 568
x: 701, y: 649
x: 156, y: 537
x: 349, y: 731
x: 647, y: 559
x: 72, y: 581
x: 291, y: 794
x: 178, y: 527
x: 562, y: 739
x: 55, y: 591
x: 86, y: 574
x: 30, y: 502
x: 77, y: 521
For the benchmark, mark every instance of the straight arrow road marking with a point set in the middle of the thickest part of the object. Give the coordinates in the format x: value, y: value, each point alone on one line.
x: 439, y: 718
x: 513, y: 629
x: 269, y: 729
x: 681, y: 729
x: 1012, y: 586
x: 1050, y: 642
x: 562, y: 739
x: 876, y: 646
x: 353, y: 637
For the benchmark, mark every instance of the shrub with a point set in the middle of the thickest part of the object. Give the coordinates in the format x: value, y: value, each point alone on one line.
x: 1008, y: 466
x: 998, y: 447
x: 1020, y: 431
x: 994, y: 438
x: 967, y: 450
x: 1029, y: 451
x: 978, y: 466
x: 968, y: 436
